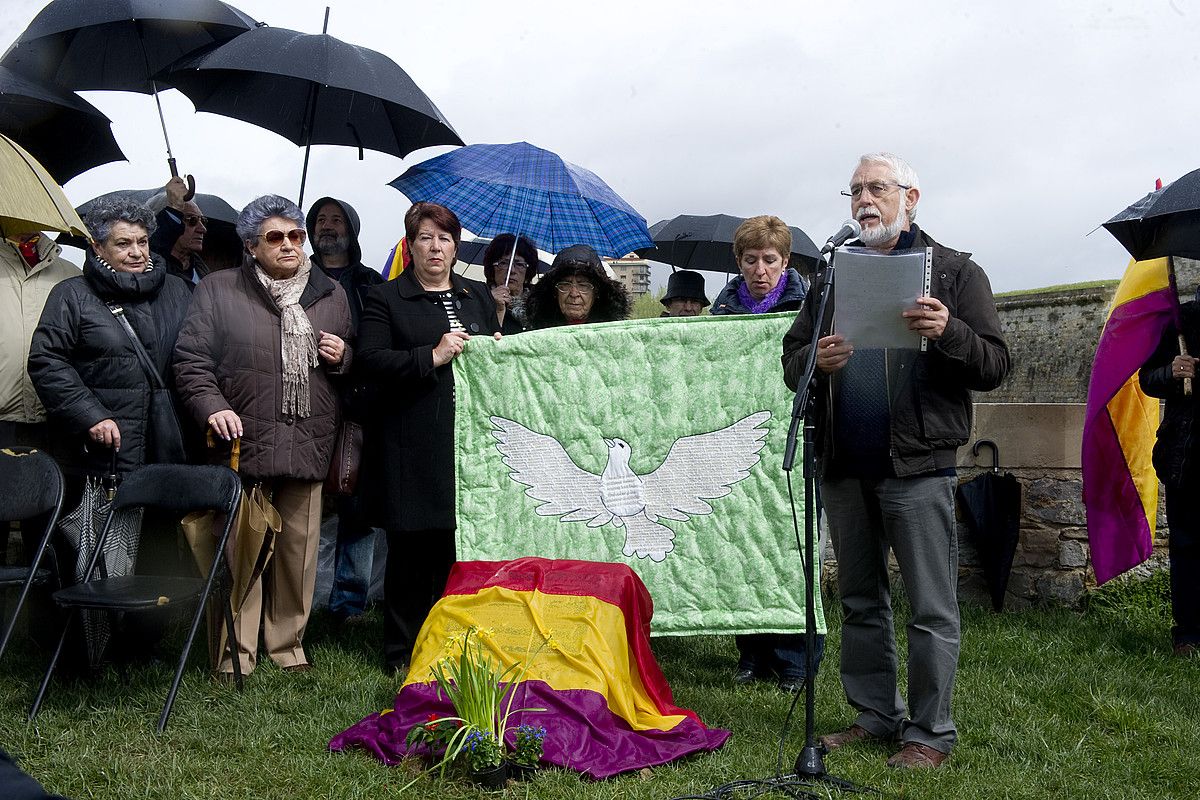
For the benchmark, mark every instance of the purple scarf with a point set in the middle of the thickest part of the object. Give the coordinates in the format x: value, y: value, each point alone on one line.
x: 768, y: 302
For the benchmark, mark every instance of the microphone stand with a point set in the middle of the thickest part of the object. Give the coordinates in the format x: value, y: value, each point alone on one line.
x: 810, y: 763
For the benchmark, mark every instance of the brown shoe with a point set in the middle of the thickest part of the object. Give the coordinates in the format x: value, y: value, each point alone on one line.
x: 294, y: 668
x: 1186, y: 650
x: 915, y: 755
x: 855, y: 733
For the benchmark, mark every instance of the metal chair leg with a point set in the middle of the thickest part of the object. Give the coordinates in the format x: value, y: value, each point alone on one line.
x: 183, y: 657
x: 41, y: 692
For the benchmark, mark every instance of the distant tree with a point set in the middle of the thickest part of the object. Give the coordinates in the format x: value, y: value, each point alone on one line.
x: 648, y: 305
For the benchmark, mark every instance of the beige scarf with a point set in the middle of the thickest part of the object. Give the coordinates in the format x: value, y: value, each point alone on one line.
x: 297, y: 342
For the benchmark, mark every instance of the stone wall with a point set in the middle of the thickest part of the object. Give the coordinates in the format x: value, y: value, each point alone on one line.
x: 1052, y: 335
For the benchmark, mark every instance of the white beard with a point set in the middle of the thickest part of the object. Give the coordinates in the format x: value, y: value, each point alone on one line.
x: 882, y: 234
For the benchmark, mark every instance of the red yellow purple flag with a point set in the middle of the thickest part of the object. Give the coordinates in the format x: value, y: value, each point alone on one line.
x: 580, y: 631
x: 397, y: 260
x: 1120, y: 489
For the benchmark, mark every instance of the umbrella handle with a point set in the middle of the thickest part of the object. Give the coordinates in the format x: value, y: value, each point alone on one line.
x: 191, y: 181
x: 995, y: 452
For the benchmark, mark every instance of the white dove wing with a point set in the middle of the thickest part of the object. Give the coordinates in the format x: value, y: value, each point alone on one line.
x: 540, y: 462
x: 703, y: 467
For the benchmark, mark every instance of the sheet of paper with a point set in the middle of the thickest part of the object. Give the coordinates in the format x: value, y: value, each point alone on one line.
x: 870, y: 292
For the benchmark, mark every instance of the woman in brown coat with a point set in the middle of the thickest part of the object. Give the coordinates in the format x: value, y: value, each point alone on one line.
x: 253, y: 361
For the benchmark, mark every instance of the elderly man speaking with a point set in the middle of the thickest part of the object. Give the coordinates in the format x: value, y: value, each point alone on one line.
x: 887, y: 454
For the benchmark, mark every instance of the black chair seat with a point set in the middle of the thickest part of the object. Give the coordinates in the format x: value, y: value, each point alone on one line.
x: 15, y: 576
x: 130, y: 592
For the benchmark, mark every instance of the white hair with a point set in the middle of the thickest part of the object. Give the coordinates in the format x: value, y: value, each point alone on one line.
x: 902, y: 173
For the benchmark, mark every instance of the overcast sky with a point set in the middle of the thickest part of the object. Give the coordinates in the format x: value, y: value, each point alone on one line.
x: 1029, y: 123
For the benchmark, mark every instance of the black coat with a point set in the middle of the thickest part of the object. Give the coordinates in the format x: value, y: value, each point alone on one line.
x: 86, y: 370
x: 408, y: 452
x: 1177, y: 448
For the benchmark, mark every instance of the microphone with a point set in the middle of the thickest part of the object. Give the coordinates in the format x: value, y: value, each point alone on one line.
x: 850, y: 230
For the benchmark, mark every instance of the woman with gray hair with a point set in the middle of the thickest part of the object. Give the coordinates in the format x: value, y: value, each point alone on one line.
x: 254, y: 362
x: 84, y: 361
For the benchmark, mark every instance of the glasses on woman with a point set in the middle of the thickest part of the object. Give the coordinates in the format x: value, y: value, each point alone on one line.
x: 518, y: 263
x: 296, y: 236
x: 566, y: 287
x: 876, y: 188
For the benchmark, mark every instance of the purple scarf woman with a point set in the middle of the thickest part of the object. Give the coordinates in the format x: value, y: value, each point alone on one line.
x: 761, y: 246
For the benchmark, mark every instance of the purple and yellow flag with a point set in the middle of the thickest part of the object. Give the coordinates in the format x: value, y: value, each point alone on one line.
x: 397, y: 260
x: 581, y: 632
x: 1120, y: 489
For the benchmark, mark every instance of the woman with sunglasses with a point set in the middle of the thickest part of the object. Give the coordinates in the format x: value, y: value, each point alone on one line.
x: 575, y: 291
x: 254, y: 362
x: 413, y: 327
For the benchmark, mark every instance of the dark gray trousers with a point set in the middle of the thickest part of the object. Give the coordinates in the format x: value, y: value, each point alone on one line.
x: 914, y: 517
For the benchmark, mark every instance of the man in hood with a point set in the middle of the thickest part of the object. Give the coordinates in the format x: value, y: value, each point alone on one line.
x: 333, y: 228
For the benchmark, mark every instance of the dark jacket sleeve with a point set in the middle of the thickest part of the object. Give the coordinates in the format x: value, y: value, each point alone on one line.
x: 196, y: 352
x: 379, y: 356
x: 52, y: 369
x: 798, y: 340
x: 973, y: 340
x: 1155, y: 375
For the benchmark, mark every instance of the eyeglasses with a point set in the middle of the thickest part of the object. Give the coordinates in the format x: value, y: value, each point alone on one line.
x: 191, y: 219
x: 296, y: 236
x: 876, y: 188
x: 566, y: 287
x: 503, y: 264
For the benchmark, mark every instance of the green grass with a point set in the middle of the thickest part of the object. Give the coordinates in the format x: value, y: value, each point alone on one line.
x: 1049, y: 704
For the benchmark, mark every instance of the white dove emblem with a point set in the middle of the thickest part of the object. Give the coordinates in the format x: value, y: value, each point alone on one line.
x: 697, y: 468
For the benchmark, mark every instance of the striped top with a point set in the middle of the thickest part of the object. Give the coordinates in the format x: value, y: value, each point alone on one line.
x: 447, y: 300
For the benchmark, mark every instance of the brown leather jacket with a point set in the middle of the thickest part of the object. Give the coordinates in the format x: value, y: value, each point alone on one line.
x: 228, y: 357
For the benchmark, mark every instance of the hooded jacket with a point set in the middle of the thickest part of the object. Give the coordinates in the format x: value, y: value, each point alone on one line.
x: 728, y: 302
x: 356, y: 278
x: 86, y: 369
x: 23, y: 293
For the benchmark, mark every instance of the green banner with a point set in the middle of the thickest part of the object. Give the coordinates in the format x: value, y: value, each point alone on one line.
x: 654, y: 443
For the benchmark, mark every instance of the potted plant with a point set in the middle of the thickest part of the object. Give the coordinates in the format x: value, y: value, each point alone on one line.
x: 528, y: 743
x: 482, y: 695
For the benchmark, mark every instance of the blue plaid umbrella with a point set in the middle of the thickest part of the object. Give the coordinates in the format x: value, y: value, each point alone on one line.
x: 519, y: 188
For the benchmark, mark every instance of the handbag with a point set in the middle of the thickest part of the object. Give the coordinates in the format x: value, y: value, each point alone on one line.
x: 346, y: 460
x: 164, y: 434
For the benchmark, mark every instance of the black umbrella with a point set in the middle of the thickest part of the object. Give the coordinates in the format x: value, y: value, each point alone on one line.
x: 991, y: 508
x: 119, y: 45
x: 222, y: 218
x: 314, y: 89
x: 1165, y: 222
x: 706, y: 243
x: 471, y: 252
x: 64, y: 132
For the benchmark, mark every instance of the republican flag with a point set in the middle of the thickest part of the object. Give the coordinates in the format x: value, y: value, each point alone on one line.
x: 580, y: 630
x: 397, y: 260
x: 1120, y: 489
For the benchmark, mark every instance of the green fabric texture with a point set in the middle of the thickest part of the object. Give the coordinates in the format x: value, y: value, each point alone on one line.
x: 697, y: 409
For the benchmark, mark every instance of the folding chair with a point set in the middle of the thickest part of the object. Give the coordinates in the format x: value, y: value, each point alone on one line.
x: 176, y: 488
x: 31, y: 486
